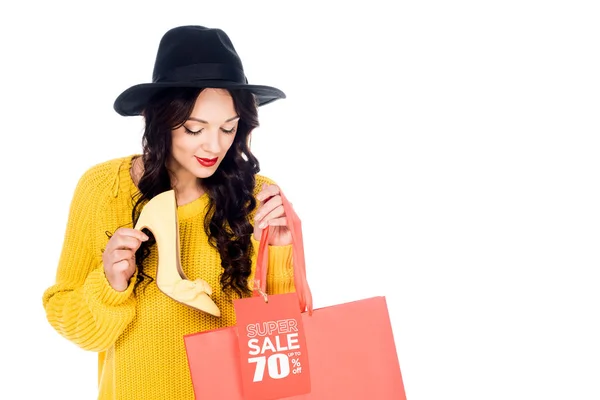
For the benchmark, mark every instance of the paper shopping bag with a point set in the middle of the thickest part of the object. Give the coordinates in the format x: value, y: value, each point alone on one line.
x: 350, y: 347
x: 273, y: 354
x: 352, y: 355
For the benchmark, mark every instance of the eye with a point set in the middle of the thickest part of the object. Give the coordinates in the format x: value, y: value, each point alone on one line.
x: 193, y: 132
x: 228, y: 131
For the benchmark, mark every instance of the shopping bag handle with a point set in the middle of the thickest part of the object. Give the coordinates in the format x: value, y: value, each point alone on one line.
x: 262, y: 260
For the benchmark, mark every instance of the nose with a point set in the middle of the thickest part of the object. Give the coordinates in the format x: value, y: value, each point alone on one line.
x: 210, y: 143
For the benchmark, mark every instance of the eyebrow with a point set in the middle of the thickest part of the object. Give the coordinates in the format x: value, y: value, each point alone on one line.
x: 206, y: 122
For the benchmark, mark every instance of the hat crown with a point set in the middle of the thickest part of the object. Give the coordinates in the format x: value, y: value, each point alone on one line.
x: 191, y: 53
x: 193, y: 56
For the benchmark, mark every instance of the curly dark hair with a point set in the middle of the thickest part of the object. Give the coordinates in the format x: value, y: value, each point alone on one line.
x: 230, y: 188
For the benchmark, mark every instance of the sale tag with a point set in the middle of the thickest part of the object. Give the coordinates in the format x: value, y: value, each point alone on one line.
x: 274, y: 358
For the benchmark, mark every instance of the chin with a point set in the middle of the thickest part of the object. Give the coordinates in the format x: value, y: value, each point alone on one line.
x: 204, y: 172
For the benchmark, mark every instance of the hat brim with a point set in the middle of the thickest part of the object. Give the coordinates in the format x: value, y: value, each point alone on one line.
x: 133, y: 100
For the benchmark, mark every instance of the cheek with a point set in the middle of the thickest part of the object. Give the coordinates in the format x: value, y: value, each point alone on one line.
x: 176, y: 140
x: 184, y: 143
x: 227, y: 142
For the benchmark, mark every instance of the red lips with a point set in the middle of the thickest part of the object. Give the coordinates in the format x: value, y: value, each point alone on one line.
x: 207, y: 162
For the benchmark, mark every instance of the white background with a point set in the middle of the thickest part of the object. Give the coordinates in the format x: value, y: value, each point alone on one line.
x: 442, y: 154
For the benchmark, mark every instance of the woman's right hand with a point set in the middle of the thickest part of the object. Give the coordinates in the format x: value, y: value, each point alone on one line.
x: 119, y: 256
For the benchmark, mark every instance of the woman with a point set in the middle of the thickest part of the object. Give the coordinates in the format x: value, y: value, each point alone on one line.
x: 109, y: 296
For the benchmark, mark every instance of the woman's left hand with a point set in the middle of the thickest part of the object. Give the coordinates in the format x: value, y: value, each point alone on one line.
x: 270, y: 213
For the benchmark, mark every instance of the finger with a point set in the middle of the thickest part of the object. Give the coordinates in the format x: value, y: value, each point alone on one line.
x: 135, y: 233
x: 267, y: 191
x: 120, y: 255
x: 122, y: 266
x: 132, y: 263
x: 120, y: 242
x: 126, y: 238
x: 278, y: 221
x: 127, y: 242
x: 268, y: 207
x: 261, y: 195
x: 275, y: 213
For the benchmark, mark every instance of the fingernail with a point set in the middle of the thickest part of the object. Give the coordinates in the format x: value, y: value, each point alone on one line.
x: 262, y: 225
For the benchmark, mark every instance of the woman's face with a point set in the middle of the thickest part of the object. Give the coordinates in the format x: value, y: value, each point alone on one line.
x: 201, y: 143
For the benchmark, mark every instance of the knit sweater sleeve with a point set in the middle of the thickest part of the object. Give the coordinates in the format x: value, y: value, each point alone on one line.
x: 280, y: 271
x: 81, y: 305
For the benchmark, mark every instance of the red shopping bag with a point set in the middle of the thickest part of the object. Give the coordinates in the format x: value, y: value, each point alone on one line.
x: 350, y: 347
x: 352, y: 355
x: 272, y: 342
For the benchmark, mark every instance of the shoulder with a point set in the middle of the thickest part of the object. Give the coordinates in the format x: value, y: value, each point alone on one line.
x: 103, y: 169
x: 100, y: 179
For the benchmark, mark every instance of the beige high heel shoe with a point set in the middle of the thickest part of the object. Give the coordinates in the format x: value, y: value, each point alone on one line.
x: 159, y: 215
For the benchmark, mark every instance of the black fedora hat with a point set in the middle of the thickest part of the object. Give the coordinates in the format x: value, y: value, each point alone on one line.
x: 193, y: 56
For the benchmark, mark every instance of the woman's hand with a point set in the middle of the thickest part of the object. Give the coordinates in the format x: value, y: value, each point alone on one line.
x: 119, y: 256
x: 270, y: 213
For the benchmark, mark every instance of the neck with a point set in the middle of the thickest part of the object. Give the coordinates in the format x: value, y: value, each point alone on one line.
x: 187, y: 186
x: 187, y: 191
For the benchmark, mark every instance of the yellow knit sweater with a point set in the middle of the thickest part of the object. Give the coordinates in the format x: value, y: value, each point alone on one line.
x: 138, y: 335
